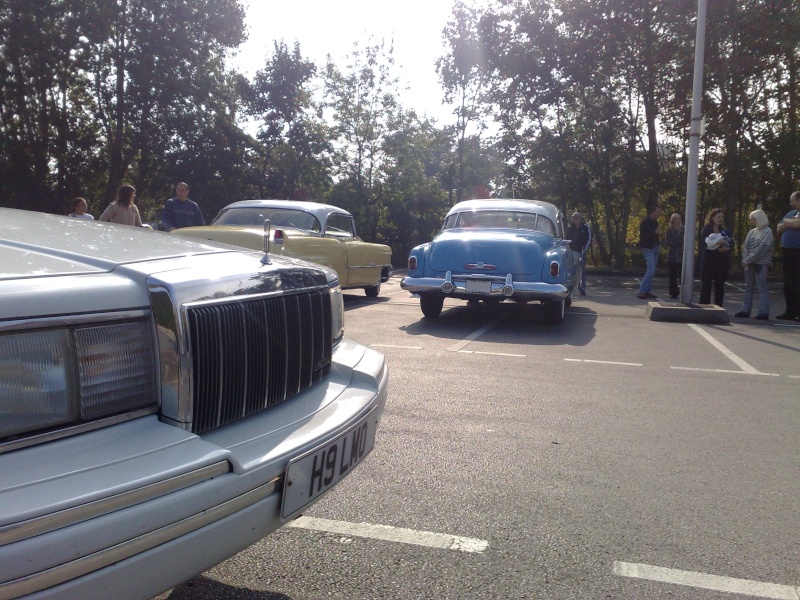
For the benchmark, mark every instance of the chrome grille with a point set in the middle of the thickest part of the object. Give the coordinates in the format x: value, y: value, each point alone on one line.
x: 255, y: 353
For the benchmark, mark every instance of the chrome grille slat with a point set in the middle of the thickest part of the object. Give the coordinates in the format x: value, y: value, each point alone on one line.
x: 255, y: 353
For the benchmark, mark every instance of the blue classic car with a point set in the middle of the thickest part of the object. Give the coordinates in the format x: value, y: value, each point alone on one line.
x: 491, y: 250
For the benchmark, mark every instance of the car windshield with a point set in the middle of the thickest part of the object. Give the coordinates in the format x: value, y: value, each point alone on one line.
x: 500, y: 219
x: 278, y: 217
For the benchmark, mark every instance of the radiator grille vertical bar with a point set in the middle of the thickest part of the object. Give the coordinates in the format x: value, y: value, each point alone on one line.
x: 255, y: 353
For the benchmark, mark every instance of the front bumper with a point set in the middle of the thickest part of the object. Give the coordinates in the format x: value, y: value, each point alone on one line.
x: 135, y: 509
x: 455, y: 286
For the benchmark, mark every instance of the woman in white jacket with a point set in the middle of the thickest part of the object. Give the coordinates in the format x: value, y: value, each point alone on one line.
x: 757, y: 253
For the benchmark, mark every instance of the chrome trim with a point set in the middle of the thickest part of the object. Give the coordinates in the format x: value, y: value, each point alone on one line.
x: 75, y: 430
x: 373, y: 266
x: 238, y: 299
x: 109, y: 556
x: 523, y: 290
x: 70, y: 516
x: 72, y: 320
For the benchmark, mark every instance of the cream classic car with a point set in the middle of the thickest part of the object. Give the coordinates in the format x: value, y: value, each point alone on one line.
x: 319, y: 233
x: 164, y: 403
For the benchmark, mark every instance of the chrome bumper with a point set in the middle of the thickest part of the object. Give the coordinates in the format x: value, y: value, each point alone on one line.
x: 455, y: 286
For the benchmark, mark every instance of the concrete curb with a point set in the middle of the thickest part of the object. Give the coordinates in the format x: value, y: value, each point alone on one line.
x: 683, y: 313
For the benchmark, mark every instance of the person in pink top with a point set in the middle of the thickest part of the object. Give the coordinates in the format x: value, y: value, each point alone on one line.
x: 123, y: 210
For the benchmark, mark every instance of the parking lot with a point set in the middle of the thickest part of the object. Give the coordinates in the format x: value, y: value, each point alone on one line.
x: 606, y: 457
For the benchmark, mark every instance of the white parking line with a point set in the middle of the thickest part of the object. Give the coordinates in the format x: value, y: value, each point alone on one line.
x: 474, y: 335
x: 725, y: 371
x: 705, y: 581
x: 727, y: 353
x: 493, y: 353
x: 391, y: 346
x: 393, y: 534
x: 603, y: 362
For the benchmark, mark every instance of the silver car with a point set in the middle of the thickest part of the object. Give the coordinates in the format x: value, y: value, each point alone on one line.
x: 164, y: 403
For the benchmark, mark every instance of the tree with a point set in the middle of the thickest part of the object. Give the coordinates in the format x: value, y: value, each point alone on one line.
x: 362, y: 100
x: 294, y: 141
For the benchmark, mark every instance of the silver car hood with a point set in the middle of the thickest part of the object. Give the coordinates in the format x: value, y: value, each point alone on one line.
x: 64, y: 245
x: 99, y: 267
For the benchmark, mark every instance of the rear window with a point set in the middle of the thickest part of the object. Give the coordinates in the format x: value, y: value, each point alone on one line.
x: 500, y: 219
x: 278, y: 217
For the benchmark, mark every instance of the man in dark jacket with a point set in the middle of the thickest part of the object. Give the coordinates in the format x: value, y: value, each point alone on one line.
x: 649, y: 243
x: 180, y: 211
x: 580, y: 238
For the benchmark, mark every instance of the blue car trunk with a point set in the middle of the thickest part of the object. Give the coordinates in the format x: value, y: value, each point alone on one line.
x: 516, y: 252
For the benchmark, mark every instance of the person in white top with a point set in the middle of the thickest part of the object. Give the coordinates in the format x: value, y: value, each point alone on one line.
x: 79, y: 209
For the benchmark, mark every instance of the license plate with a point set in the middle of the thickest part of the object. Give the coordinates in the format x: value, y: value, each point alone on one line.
x: 479, y: 286
x: 311, y: 475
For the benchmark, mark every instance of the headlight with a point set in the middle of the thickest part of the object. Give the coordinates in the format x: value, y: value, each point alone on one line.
x: 70, y: 376
x: 337, y: 309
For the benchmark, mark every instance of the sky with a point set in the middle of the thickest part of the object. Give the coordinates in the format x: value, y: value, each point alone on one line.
x: 325, y: 27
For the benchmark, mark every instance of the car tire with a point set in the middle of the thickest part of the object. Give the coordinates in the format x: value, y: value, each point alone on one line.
x: 373, y: 291
x: 554, y: 311
x: 431, y: 305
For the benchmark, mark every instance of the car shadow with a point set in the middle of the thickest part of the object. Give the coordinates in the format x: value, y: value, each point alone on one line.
x: 205, y: 587
x: 458, y: 322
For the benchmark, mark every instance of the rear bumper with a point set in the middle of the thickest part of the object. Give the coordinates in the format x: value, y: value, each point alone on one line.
x: 135, y: 509
x: 500, y: 287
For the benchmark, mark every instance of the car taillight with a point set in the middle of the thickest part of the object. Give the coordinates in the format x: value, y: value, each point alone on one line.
x: 554, y: 269
x: 412, y: 263
x: 278, y: 239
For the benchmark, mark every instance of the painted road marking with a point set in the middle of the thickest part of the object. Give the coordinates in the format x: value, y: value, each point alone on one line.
x: 705, y: 581
x: 725, y: 371
x: 474, y: 335
x: 391, y: 346
x: 604, y: 362
x: 739, y: 362
x: 492, y: 353
x: 393, y: 534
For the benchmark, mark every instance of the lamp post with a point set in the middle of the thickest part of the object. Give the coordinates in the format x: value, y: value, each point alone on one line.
x: 695, y: 132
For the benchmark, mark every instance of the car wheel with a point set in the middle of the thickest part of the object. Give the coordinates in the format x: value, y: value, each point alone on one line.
x: 373, y: 291
x: 431, y: 305
x: 554, y: 311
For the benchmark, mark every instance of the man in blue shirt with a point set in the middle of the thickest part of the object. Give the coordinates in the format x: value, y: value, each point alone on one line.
x: 789, y: 231
x: 180, y: 211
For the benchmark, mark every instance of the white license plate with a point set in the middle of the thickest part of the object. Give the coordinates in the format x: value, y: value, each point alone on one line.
x: 479, y: 286
x: 317, y: 471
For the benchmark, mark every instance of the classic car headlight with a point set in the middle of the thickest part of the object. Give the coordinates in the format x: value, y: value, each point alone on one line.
x: 337, y: 309
x: 69, y: 376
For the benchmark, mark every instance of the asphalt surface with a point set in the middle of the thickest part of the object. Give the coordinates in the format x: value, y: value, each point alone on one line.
x: 606, y: 457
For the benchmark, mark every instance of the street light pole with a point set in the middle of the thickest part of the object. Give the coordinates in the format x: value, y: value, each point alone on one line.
x: 687, y: 276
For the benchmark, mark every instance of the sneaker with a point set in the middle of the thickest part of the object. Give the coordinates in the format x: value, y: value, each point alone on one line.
x: 762, y: 317
x: 743, y: 315
x: 786, y: 317
x: 642, y: 296
x: 583, y: 292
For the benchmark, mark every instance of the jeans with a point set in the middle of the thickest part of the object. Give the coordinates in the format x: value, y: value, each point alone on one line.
x: 675, y: 269
x: 755, y: 276
x: 651, y: 259
x: 791, y: 280
x: 580, y: 260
